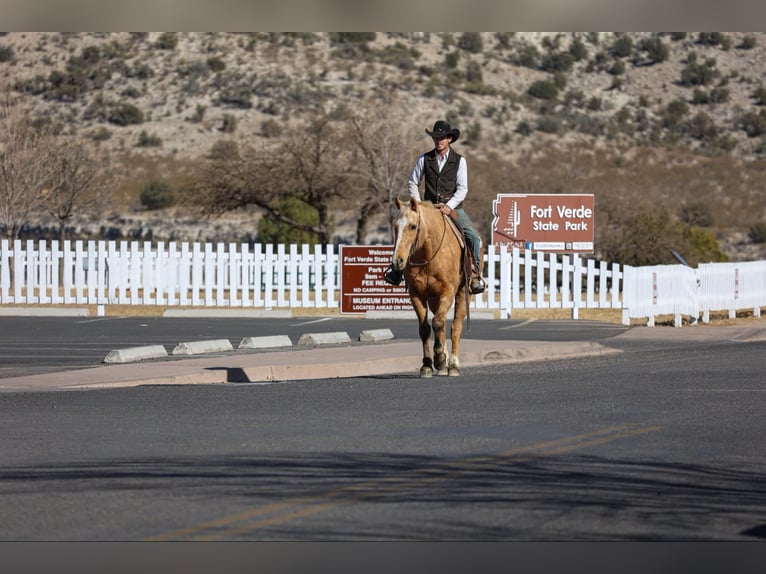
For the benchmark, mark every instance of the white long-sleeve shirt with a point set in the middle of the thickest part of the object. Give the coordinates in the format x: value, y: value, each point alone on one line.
x: 461, y: 190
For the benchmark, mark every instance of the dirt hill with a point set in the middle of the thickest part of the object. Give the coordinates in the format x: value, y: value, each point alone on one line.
x: 158, y: 102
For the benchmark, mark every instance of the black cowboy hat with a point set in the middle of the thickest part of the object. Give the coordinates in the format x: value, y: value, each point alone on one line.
x: 443, y: 129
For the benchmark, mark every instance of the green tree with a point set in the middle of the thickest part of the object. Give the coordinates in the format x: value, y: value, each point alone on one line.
x: 275, y: 229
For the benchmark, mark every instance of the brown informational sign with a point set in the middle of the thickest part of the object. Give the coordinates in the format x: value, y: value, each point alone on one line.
x: 560, y: 223
x: 362, y: 287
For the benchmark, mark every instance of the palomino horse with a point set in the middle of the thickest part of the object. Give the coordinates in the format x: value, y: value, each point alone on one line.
x: 429, y: 253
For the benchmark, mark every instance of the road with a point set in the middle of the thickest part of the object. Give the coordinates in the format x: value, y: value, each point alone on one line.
x: 31, y: 345
x: 659, y: 442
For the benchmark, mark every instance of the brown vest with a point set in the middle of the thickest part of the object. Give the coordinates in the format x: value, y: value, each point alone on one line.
x: 440, y: 186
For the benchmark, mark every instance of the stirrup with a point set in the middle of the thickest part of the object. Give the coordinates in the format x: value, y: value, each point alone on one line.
x: 477, y: 285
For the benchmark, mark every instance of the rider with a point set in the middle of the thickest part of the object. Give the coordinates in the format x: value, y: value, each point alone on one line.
x: 445, y: 173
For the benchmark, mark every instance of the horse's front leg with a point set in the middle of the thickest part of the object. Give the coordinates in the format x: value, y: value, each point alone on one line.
x: 424, y: 330
x: 439, y: 324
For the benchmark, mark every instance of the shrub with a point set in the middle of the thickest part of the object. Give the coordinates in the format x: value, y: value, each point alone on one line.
x: 698, y: 74
x: 167, y: 41
x: 237, y: 96
x: 622, y: 47
x: 451, y: 60
x: 543, y: 90
x: 123, y: 114
x: 224, y: 150
x: 471, y: 42
x: 760, y: 95
x: 719, y: 95
x: 523, y: 128
x: 753, y: 124
x: 271, y: 128
x: 7, y: 54
x: 578, y: 50
x: 229, y: 124
x: 557, y: 62
x: 528, y: 56
x: 157, y: 195
x: 748, y: 42
x: 757, y: 233
x: 674, y: 113
x: 399, y: 55
x: 714, y: 39
x: 702, y: 127
x: 352, y: 37
x: 698, y: 213
x: 549, y: 125
x: 655, y: 48
x: 648, y: 235
x: 146, y: 139
x: 473, y: 73
x: 216, y: 64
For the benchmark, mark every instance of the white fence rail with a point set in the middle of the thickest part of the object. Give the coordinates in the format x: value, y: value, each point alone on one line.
x: 267, y: 276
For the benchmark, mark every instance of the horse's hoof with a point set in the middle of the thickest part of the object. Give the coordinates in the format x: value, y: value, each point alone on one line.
x: 442, y: 372
x: 426, y: 372
x: 454, y: 372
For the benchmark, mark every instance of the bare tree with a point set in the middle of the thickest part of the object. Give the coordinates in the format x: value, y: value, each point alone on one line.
x: 78, y: 182
x: 382, y: 157
x: 309, y: 164
x: 25, y: 162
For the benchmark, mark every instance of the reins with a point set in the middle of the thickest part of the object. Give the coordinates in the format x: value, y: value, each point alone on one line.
x: 415, y: 243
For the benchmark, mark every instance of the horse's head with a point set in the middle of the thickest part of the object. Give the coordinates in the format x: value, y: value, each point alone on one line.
x: 406, y: 229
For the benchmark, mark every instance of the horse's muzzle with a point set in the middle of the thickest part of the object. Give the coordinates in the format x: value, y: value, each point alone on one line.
x: 398, y: 263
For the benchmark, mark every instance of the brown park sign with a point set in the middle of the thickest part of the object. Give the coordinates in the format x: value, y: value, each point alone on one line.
x: 560, y: 223
x: 362, y: 287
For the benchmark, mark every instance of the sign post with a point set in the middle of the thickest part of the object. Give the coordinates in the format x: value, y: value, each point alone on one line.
x: 557, y: 223
x: 362, y: 287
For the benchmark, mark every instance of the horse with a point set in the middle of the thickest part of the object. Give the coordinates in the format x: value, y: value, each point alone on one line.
x: 429, y: 252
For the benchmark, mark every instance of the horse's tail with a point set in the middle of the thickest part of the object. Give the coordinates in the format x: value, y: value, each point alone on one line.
x: 466, y: 283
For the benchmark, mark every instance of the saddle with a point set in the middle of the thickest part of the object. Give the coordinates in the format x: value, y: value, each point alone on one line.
x: 471, y: 267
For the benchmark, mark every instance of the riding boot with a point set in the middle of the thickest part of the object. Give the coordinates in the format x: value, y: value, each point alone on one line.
x: 392, y: 276
x: 476, y: 284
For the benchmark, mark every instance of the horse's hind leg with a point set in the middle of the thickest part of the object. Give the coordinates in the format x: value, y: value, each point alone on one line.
x: 441, y: 354
x: 456, y: 333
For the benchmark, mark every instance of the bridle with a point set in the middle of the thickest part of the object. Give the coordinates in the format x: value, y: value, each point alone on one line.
x: 414, y: 246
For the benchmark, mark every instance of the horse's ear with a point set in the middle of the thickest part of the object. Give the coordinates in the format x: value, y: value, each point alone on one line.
x: 399, y: 203
x: 413, y: 204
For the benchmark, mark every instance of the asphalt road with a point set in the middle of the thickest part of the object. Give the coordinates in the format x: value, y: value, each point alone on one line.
x: 660, y: 442
x: 31, y: 345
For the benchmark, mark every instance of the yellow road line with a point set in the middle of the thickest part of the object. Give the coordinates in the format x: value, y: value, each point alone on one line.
x: 234, y: 524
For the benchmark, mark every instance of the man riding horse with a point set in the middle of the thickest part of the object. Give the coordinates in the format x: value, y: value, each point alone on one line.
x: 445, y: 174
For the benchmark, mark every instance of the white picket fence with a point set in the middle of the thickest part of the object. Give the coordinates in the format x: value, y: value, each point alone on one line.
x: 269, y: 276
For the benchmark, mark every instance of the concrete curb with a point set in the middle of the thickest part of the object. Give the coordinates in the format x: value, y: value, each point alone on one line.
x: 265, y: 342
x: 227, y: 312
x: 202, y: 347
x: 395, y: 358
x: 324, y: 338
x: 133, y: 354
x: 410, y: 314
x: 44, y: 312
x: 372, y: 335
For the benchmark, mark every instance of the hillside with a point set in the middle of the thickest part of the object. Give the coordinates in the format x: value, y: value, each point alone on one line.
x: 645, y: 107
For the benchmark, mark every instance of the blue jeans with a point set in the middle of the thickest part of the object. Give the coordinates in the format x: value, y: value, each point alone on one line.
x: 471, y: 236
